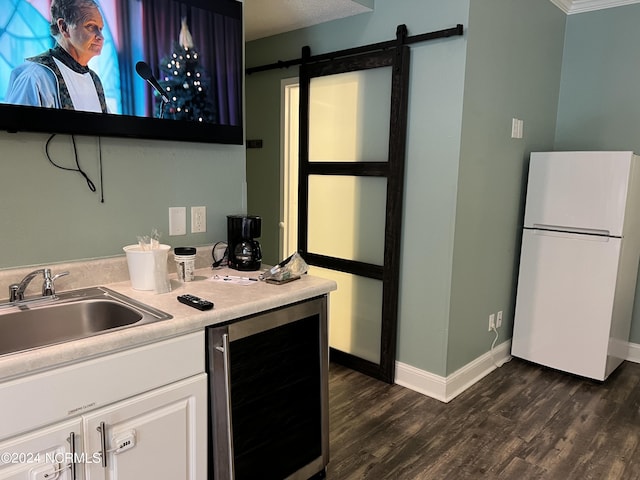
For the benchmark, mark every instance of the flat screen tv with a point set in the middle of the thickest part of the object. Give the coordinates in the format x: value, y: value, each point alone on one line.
x: 193, y: 48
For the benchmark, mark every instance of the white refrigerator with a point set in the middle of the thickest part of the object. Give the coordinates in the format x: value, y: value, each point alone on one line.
x: 579, y: 261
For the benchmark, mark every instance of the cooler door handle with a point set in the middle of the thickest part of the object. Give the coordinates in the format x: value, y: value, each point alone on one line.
x: 224, y: 349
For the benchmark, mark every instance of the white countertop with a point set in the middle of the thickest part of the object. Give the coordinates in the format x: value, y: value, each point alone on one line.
x: 232, y: 301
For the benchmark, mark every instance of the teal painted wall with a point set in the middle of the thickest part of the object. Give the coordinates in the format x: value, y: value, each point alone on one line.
x: 513, y: 69
x: 599, y: 106
x: 435, y: 115
x: 50, y: 216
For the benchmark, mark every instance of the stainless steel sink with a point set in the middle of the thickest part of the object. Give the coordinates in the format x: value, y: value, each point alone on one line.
x: 70, y: 316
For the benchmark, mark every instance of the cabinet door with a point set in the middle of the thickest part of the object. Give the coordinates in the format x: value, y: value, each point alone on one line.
x: 45, y: 454
x: 160, y: 435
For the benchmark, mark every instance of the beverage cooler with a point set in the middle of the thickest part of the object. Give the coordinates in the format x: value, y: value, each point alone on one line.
x: 269, y: 394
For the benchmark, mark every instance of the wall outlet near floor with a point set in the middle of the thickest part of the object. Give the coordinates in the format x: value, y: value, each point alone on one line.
x: 492, y: 321
x: 198, y: 219
x: 499, y: 319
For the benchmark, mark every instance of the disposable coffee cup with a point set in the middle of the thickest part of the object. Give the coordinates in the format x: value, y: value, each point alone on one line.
x: 185, y: 258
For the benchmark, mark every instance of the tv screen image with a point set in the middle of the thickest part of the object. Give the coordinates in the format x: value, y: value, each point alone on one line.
x: 191, y: 50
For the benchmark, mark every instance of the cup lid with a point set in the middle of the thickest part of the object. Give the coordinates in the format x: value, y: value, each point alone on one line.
x: 184, y: 250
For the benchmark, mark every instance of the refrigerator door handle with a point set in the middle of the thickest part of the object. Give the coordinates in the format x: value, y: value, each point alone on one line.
x: 585, y: 237
x: 580, y: 231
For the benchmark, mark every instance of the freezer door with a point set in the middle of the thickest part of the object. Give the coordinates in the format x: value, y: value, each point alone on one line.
x: 578, y: 190
x: 565, y: 300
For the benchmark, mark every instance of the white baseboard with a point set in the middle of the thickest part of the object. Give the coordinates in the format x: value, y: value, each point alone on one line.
x: 447, y: 388
x: 634, y: 353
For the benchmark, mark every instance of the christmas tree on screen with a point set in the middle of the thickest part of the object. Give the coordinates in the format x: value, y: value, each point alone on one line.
x: 184, y: 80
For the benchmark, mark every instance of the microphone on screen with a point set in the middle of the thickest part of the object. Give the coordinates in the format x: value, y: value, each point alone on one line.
x: 145, y: 72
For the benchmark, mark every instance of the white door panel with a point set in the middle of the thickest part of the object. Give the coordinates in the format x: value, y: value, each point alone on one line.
x: 158, y: 435
x: 565, y: 300
x: 582, y: 190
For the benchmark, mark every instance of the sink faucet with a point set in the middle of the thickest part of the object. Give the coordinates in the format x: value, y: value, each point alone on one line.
x: 16, y: 290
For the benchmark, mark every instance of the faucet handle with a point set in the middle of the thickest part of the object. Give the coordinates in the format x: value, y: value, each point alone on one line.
x: 48, y: 287
x: 58, y: 275
x: 13, y: 292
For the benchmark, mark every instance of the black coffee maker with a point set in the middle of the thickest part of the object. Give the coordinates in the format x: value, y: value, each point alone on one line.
x: 244, y: 250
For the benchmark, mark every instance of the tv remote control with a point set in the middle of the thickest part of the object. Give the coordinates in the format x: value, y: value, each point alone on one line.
x: 195, y: 302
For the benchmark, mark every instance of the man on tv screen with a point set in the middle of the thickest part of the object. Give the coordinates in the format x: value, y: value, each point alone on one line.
x: 60, y: 77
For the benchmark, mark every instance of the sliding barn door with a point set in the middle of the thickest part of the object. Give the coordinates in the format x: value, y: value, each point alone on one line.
x: 351, y: 176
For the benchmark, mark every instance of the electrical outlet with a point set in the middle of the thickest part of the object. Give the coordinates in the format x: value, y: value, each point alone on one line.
x: 198, y: 219
x: 492, y: 321
x: 499, y: 319
x: 177, y: 220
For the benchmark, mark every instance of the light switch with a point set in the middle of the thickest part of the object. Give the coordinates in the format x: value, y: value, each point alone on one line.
x: 517, y: 127
x: 177, y: 220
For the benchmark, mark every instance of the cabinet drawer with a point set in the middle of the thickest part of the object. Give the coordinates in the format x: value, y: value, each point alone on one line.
x: 37, y: 400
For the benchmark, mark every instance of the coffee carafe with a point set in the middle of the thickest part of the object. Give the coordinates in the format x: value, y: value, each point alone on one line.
x: 244, y: 250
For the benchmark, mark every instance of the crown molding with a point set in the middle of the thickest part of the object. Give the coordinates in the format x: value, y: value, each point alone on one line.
x: 564, y: 5
x: 579, y: 6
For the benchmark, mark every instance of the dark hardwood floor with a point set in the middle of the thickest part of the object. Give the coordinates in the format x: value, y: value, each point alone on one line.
x: 520, y: 422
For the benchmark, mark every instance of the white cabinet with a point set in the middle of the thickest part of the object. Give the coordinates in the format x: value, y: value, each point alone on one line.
x: 150, y: 402
x: 45, y: 454
x: 159, y: 435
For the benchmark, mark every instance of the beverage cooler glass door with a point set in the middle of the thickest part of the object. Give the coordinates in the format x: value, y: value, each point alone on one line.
x: 269, y: 395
